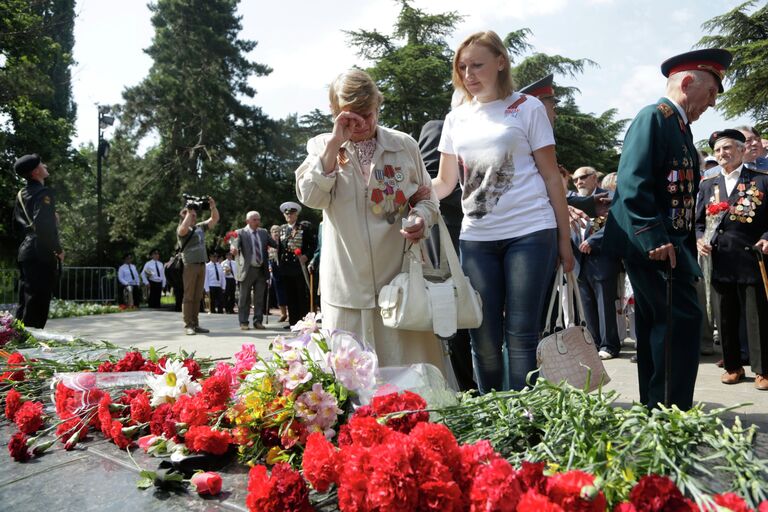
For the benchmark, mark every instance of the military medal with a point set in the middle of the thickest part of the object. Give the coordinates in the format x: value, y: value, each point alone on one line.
x: 387, y: 197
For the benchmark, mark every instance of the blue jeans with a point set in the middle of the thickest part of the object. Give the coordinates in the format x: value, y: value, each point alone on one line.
x: 513, y: 277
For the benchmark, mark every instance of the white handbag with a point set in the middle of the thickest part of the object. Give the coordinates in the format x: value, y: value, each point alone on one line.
x: 423, y: 298
x: 569, y: 354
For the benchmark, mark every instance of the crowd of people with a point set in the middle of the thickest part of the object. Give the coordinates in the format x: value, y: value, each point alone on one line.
x: 637, y: 238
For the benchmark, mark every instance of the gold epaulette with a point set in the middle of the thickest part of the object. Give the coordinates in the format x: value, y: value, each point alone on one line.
x: 665, y: 109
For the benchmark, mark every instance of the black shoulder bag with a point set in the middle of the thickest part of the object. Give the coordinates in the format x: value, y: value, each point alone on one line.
x: 176, y: 263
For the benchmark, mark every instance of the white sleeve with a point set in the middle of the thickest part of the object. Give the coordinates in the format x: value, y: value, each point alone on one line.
x: 144, y: 274
x: 446, y: 137
x: 223, y: 279
x: 313, y: 186
x: 121, y: 276
x: 539, y: 128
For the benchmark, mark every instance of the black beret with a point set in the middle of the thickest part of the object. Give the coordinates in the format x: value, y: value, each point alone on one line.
x: 726, y: 134
x: 26, y: 164
x: 713, y: 60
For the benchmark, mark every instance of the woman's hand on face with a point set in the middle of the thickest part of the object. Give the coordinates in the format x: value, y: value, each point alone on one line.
x: 344, y: 124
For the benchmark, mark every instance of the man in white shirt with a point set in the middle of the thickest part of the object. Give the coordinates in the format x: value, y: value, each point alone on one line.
x: 215, y: 283
x: 229, y: 265
x: 129, y: 291
x: 153, y: 275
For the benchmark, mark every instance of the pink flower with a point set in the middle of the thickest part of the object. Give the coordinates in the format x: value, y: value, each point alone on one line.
x: 148, y: 441
x: 207, y: 483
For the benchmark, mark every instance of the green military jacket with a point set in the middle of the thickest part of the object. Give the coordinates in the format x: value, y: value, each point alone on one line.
x: 658, y: 179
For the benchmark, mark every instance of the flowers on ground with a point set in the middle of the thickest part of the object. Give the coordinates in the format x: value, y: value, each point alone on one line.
x: 175, y: 381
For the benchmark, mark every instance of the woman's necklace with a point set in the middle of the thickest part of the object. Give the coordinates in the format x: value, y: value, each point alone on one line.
x: 364, y: 151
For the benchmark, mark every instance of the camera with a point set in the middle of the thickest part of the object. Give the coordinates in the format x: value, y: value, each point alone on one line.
x: 196, y: 203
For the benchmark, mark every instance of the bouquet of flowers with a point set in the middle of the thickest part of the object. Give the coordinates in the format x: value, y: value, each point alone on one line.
x: 229, y: 236
x: 11, y: 330
x: 306, y: 385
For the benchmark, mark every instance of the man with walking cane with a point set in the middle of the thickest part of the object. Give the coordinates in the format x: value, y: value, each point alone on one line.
x: 732, y: 227
x: 651, y: 226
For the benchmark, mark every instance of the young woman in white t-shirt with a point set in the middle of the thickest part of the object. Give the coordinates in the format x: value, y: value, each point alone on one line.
x: 499, y: 145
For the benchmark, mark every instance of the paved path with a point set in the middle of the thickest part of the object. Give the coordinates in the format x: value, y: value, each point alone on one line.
x: 145, y: 328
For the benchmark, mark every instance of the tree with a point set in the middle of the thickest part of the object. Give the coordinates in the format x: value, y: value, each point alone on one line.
x: 414, y: 78
x: 191, y: 101
x: 582, y: 139
x: 36, y: 109
x: 746, y: 36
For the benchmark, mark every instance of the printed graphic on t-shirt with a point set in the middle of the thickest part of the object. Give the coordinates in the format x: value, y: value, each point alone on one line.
x: 483, y: 184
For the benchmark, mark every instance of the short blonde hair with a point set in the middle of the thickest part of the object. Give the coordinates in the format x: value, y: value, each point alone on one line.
x: 492, y: 41
x: 609, y: 181
x: 354, y: 89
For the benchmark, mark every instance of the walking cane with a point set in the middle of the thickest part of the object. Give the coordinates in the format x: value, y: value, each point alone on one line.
x: 312, y: 292
x: 668, y: 340
x: 761, y: 264
x: 269, y: 285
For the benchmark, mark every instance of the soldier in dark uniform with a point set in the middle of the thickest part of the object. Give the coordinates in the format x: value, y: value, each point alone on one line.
x: 296, y: 243
x: 40, y: 252
x: 731, y: 221
x: 651, y: 225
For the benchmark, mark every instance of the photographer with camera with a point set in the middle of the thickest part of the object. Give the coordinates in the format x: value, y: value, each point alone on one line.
x: 191, y: 239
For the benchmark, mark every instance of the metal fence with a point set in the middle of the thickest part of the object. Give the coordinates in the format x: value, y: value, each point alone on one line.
x: 81, y: 284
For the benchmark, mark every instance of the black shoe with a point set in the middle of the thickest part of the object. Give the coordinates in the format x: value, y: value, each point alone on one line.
x: 200, y: 330
x: 286, y: 327
x: 633, y: 359
x: 258, y: 325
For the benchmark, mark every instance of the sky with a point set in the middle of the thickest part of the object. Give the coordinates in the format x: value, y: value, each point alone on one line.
x: 302, y: 41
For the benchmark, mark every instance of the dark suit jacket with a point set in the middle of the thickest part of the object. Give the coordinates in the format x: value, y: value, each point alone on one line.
x: 733, y: 260
x: 244, y: 254
x: 658, y: 179
x: 41, y: 239
x: 598, y: 264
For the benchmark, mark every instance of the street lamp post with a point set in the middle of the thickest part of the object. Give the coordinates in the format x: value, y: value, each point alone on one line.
x: 102, y: 149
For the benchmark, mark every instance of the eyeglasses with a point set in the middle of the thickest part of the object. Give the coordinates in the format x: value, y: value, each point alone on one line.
x: 583, y: 176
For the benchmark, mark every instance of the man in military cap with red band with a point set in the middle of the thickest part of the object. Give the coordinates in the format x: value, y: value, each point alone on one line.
x: 34, y: 215
x: 651, y: 225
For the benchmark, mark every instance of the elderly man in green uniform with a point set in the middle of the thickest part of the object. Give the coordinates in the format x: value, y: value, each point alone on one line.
x: 35, y: 216
x: 651, y: 225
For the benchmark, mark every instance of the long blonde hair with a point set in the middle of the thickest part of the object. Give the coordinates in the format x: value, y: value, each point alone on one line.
x: 492, y: 41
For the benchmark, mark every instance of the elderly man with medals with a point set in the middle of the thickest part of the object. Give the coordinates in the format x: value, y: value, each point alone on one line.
x: 732, y: 228
x: 651, y: 226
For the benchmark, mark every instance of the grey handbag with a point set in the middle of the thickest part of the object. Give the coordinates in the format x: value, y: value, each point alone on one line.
x: 568, y: 353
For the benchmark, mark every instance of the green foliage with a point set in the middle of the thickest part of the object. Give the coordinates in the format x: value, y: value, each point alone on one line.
x: 746, y: 36
x: 587, y: 139
x: 36, y: 108
x: 571, y: 429
x: 414, y: 78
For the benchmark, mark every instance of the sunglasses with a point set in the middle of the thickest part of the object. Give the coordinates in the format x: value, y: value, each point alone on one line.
x: 582, y: 177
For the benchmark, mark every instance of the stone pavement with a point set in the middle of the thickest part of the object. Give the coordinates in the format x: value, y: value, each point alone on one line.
x: 144, y: 328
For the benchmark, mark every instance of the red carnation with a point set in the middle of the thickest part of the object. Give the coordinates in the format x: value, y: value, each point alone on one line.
x: 141, y: 411
x: 151, y: 367
x: 193, y: 368
x: 656, y: 493
x: 216, y: 392
x: 207, y: 483
x: 12, y: 403
x: 407, y: 401
x: 131, y: 362
x: 105, y: 415
x: 204, y: 439
x: 439, y: 438
x: 567, y: 490
x: 71, y: 431
x: 29, y: 417
x: 532, y: 477
x: 118, y: 437
x: 732, y: 502
x: 283, y: 491
x: 392, y: 485
x: 495, y: 487
x: 15, y: 360
x: 763, y: 507
x: 162, y: 421
x: 364, y: 432
x: 297, y: 251
x: 532, y: 501
x: 190, y: 410
x: 17, y: 447
x: 106, y: 367
x: 473, y: 456
x: 320, y: 462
